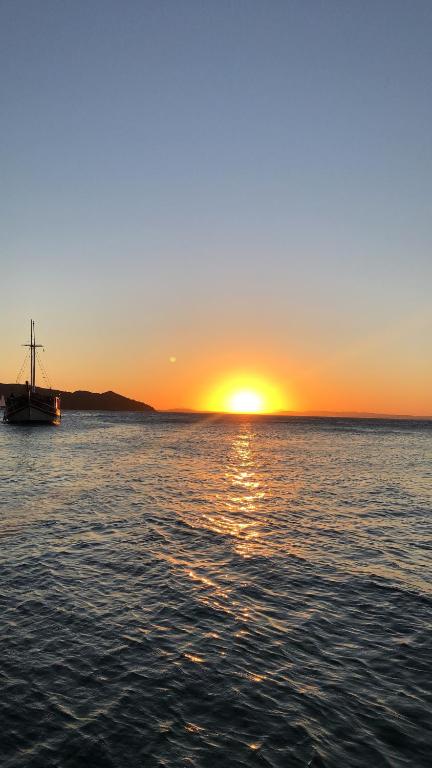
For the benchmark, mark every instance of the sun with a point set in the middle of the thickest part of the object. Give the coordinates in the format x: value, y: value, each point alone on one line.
x: 245, y: 393
x: 245, y: 401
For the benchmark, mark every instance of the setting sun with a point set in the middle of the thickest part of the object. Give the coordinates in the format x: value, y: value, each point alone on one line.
x: 245, y: 393
x: 246, y: 401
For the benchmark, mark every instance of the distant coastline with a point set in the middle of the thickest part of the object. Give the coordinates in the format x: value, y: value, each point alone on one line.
x: 351, y: 415
x: 316, y: 414
x: 82, y: 400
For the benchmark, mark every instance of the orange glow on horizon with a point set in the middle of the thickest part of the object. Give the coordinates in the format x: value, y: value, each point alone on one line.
x: 245, y: 394
x: 351, y: 380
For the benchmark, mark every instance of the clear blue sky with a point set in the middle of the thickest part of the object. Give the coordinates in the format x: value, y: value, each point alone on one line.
x: 231, y: 182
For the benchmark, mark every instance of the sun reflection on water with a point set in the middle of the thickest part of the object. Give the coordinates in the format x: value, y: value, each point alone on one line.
x: 244, y: 491
x: 233, y: 507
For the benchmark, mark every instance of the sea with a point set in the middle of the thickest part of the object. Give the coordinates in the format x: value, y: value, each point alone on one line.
x: 215, y: 592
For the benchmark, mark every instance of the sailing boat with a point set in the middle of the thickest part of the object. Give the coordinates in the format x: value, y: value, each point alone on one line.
x: 32, y: 407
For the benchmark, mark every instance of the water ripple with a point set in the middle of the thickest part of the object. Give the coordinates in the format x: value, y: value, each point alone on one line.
x: 186, y: 591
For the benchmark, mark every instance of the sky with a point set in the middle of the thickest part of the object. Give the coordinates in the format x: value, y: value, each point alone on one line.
x: 196, y: 192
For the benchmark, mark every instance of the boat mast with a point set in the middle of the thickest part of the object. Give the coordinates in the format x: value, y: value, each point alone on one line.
x: 33, y: 379
x: 33, y: 347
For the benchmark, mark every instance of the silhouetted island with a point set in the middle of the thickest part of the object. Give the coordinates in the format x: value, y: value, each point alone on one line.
x: 85, y: 401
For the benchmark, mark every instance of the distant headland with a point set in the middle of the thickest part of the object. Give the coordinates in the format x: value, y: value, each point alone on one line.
x: 316, y: 414
x: 86, y: 401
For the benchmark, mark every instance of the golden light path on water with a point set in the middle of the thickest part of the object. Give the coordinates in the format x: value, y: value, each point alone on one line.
x: 231, y: 509
x: 239, y: 501
x: 242, y: 502
x: 245, y: 491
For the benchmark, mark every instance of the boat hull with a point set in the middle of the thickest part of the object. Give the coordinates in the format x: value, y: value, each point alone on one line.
x: 29, y: 411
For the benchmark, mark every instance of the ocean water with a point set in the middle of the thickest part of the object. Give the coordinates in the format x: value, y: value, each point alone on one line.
x: 206, y: 592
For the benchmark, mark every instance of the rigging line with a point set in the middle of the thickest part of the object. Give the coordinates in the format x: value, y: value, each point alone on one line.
x: 22, y: 368
x: 44, y: 372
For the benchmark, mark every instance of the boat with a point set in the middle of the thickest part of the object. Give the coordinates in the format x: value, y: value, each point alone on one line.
x: 31, y: 406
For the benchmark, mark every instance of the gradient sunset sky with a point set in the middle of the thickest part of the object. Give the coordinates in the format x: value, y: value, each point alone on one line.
x: 243, y: 186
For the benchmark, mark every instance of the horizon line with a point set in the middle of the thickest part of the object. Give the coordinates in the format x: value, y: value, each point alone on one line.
x: 310, y: 413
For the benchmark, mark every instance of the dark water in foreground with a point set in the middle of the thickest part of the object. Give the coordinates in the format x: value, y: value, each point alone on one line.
x: 181, y: 591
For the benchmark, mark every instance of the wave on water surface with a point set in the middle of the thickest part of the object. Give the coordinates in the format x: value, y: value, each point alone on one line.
x: 181, y: 590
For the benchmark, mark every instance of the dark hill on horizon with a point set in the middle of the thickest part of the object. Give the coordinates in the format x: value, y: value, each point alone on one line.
x: 81, y: 400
